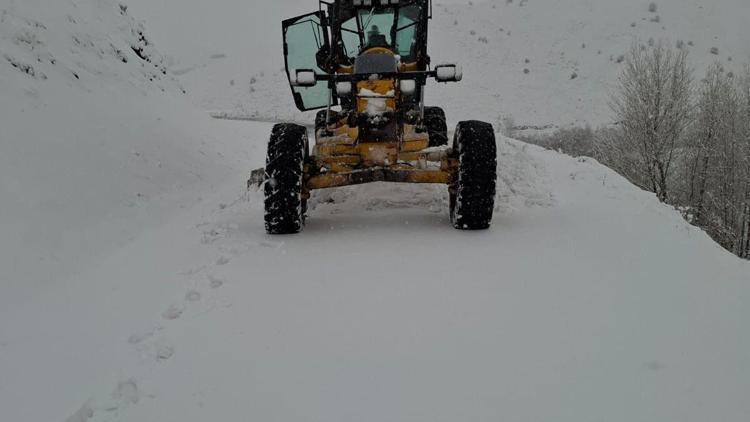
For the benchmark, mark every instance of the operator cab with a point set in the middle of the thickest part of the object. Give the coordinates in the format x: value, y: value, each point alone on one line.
x: 376, y: 39
x: 355, y: 36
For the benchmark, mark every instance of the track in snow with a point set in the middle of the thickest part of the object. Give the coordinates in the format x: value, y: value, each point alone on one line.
x: 587, y: 295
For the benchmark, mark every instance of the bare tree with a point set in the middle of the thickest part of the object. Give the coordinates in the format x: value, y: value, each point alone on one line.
x: 715, y: 124
x: 697, y: 157
x: 615, y: 151
x: 743, y: 98
x: 716, y: 160
x: 653, y: 108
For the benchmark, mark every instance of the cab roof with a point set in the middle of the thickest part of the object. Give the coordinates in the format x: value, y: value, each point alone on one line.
x: 371, y: 3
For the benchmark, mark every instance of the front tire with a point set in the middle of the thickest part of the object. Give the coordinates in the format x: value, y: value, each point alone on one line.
x: 285, y: 161
x: 472, y: 204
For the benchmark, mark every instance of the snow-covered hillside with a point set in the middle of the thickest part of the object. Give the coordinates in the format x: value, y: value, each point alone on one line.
x: 94, y: 138
x: 569, y: 48
x: 137, y: 283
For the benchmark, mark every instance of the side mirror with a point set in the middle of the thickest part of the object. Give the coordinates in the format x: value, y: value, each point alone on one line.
x: 448, y: 73
x: 303, y: 78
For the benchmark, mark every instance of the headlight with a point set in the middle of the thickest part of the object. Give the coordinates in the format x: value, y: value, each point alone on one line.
x: 408, y: 87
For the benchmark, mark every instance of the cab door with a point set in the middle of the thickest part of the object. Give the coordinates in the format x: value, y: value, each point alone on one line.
x: 304, y: 37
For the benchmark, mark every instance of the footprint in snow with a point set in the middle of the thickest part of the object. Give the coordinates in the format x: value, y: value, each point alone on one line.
x: 82, y: 415
x: 139, y: 338
x: 192, y: 271
x: 125, y: 394
x: 215, y: 283
x: 192, y: 296
x: 173, y: 312
x: 164, y: 352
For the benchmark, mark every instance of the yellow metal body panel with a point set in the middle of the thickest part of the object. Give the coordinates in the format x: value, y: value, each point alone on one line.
x: 378, y: 50
x: 378, y: 174
x: 343, y: 156
x: 340, y: 160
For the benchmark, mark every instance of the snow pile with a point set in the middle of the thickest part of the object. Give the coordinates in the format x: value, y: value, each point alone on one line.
x: 522, y: 183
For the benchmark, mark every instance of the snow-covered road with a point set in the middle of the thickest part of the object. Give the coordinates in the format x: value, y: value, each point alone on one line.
x: 587, y: 300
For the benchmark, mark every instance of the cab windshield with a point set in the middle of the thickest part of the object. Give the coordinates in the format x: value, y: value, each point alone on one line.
x: 374, y: 28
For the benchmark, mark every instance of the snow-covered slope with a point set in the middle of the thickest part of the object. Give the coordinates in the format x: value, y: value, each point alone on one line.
x: 236, y: 68
x: 94, y: 136
x: 571, y: 49
x: 137, y: 284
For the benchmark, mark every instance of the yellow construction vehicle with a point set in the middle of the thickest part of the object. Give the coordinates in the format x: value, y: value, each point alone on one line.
x: 369, y: 58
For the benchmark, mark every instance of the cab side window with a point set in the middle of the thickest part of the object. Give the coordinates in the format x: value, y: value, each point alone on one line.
x: 304, y: 37
x: 406, y: 26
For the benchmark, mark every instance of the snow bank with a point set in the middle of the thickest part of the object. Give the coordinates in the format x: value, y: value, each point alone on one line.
x: 522, y: 182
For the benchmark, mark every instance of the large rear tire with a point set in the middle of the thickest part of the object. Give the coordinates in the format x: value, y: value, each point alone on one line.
x: 285, y: 161
x: 434, y: 120
x: 472, y: 204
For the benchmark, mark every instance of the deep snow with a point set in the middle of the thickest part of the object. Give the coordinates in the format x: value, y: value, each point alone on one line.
x: 588, y: 300
x: 137, y: 284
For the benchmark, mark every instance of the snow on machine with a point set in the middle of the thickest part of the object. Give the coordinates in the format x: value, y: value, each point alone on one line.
x: 370, y: 58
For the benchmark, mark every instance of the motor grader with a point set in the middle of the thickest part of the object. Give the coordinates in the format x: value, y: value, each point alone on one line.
x: 368, y: 59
